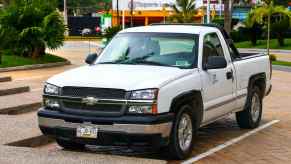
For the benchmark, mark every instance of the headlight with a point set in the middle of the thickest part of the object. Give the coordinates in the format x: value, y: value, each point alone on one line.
x: 51, y: 89
x: 147, y: 109
x: 51, y: 103
x: 146, y: 94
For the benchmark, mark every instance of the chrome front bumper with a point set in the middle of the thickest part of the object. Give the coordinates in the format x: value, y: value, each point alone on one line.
x: 163, y: 128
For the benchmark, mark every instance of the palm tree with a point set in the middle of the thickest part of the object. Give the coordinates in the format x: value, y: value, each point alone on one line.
x: 276, y: 18
x: 184, y: 11
x: 31, y: 26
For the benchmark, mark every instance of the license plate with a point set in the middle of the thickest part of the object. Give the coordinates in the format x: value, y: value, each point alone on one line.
x: 85, y: 131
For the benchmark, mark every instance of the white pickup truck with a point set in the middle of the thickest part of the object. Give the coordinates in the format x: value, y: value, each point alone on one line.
x: 155, y: 86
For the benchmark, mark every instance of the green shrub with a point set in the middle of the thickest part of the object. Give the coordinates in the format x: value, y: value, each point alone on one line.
x: 29, y: 27
x: 110, y: 32
x: 273, y: 57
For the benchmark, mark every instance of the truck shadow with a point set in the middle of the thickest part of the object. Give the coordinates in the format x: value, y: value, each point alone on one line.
x: 208, y: 137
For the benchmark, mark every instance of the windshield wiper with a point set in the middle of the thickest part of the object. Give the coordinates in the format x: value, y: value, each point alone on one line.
x: 146, y: 62
x: 108, y: 62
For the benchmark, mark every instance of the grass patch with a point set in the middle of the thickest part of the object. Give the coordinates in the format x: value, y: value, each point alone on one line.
x: 282, y: 63
x: 13, y: 60
x: 80, y: 38
x: 263, y: 44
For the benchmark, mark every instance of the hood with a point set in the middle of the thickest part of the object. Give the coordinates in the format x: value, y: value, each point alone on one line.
x: 127, y: 77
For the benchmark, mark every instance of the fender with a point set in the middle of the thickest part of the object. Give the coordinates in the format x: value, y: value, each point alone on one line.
x: 259, y: 80
x: 194, y: 96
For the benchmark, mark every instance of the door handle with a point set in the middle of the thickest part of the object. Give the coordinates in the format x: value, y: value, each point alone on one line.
x: 229, y: 75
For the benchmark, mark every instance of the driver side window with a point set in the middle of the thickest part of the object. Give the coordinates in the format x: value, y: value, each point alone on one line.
x: 211, y: 46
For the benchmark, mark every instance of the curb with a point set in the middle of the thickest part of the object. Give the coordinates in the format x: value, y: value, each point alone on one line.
x: 263, y: 50
x: 281, y: 68
x: 36, y: 66
x: 5, y: 79
x: 21, y: 109
x: 33, y: 142
x: 12, y: 91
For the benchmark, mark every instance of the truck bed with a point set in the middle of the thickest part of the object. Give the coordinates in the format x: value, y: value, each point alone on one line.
x: 250, y: 55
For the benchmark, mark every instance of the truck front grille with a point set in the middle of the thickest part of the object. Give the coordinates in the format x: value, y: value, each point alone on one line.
x: 78, y: 108
x: 97, y: 107
x: 105, y: 93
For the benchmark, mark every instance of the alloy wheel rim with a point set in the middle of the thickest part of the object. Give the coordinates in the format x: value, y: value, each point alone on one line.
x: 256, y: 107
x: 185, y: 132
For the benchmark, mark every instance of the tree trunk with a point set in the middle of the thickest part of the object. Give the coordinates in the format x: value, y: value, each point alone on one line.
x: 268, y: 33
x: 1, y: 56
x: 280, y: 37
x: 38, y: 52
x: 227, y: 16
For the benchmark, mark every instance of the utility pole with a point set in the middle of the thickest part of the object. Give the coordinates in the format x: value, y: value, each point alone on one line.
x: 117, y: 9
x: 131, y: 13
x: 66, y: 17
x: 220, y: 8
x: 208, y: 11
x: 123, y: 19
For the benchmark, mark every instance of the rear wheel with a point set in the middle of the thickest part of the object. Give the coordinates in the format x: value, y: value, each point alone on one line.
x: 251, y: 116
x: 67, y: 144
x: 183, y: 133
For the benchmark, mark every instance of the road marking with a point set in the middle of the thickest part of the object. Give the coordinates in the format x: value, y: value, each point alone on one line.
x: 228, y: 143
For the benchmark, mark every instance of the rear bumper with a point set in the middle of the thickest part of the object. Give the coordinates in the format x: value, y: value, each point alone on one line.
x: 110, y: 129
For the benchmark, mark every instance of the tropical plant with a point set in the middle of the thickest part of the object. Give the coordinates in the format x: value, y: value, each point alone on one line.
x: 253, y: 29
x: 184, y: 11
x: 35, y: 25
x: 273, y: 57
x: 5, y: 2
x: 275, y: 18
x: 110, y: 32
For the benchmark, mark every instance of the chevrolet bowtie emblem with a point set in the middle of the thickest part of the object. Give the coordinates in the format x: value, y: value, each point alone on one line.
x: 90, y: 101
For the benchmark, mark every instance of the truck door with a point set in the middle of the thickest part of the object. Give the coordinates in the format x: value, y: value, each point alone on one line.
x: 218, y: 84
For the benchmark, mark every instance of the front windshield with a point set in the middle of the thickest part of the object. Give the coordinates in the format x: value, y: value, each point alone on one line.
x: 161, y: 49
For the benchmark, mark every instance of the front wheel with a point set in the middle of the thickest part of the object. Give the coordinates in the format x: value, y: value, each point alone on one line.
x: 182, y: 135
x: 251, y: 116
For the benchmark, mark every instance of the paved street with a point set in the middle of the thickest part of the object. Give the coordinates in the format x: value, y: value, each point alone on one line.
x: 284, y: 55
x: 230, y: 144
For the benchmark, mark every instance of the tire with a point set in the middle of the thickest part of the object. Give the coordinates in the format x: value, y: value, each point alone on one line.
x: 176, y: 150
x: 70, y: 145
x: 251, y: 116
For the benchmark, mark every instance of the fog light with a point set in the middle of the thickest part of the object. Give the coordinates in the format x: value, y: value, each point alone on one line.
x: 52, y: 104
x: 142, y: 109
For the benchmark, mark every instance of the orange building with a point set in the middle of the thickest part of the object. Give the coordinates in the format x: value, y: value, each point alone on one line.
x: 145, y: 12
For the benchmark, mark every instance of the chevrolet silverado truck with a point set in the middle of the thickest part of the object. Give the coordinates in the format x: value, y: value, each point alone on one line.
x: 155, y: 86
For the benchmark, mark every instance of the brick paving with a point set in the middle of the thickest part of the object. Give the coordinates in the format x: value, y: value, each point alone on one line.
x: 272, y: 145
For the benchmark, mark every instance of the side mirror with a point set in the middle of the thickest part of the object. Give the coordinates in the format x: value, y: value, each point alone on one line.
x: 215, y: 62
x: 91, y: 58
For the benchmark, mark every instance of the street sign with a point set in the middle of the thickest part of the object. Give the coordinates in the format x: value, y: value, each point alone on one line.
x: 143, y: 4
